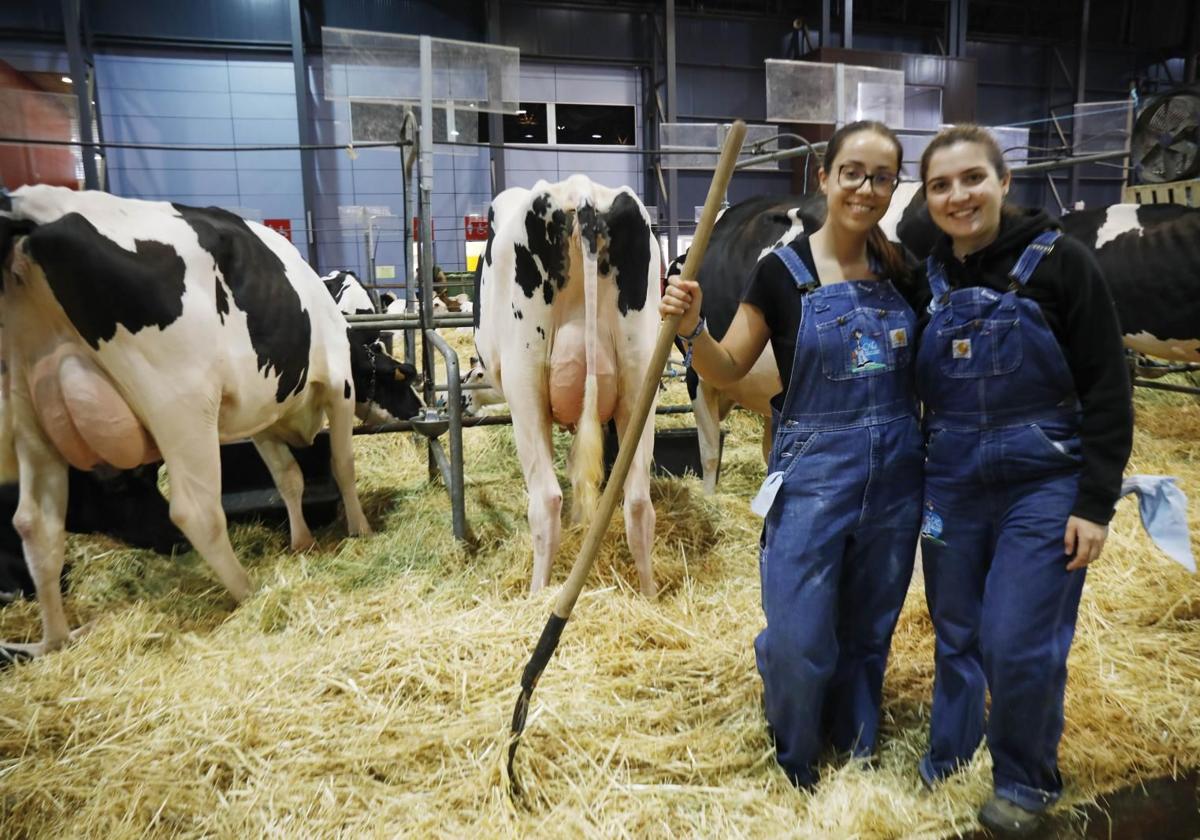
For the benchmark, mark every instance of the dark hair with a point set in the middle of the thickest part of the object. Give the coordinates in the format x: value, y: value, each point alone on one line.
x: 965, y: 133
x: 878, y: 245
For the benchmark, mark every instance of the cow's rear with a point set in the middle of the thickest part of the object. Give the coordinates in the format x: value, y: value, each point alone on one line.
x: 567, y: 320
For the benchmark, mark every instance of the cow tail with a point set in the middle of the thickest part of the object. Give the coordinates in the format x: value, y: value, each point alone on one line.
x: 588, y: 457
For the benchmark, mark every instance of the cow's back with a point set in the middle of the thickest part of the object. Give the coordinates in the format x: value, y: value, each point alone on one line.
x: 742, y: 236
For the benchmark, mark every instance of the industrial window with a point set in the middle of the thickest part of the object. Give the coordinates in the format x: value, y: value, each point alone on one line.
x: 566, y: 124
x: 528, y: 125
x: 595, y: 125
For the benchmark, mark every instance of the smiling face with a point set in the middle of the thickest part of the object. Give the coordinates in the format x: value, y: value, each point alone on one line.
x: 864, y: 157
x: 965, y: 195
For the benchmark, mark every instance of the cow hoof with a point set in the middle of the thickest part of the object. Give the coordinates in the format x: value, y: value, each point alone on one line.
x: 649, y: 590
x: 363, y: 530
x: 303, y: 544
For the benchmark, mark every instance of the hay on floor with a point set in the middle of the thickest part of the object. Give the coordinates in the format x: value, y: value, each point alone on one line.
x: 366, y: 689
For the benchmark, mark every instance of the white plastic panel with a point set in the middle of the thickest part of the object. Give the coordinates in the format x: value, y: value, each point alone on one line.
x: 387, y: 68
x: 1014, y: 142
x: 871, y: 93
x: 801, y: 91
x: 815, y: 92
x: 704, y: 141
x: 1101, y: 126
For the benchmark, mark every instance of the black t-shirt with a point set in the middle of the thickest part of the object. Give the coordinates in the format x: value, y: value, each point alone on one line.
x: 772, y: 291
x: 1069, y: 288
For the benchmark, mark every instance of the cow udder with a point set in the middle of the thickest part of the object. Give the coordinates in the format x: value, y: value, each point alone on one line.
x: 568, y: 375
x: 84, y: 416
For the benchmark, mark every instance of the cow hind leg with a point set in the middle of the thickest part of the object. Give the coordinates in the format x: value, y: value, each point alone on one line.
x: 639, y: 510
x: 194, y: 468
x: 285, y: 472
x: 341, y: 447
x: 531, y: 428
x: 40, y: 522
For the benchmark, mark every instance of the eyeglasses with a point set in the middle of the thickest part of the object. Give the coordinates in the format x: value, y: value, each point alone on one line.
x: 851, y: 177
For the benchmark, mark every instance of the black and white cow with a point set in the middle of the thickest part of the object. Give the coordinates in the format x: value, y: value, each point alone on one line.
x: 134, y: 328
x: 382, y: 385
x: 567, y: 315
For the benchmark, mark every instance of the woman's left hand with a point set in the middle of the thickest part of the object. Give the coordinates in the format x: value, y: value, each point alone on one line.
x: 1083, y: 541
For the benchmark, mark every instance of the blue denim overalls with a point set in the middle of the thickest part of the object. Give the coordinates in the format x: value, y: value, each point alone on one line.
x: 1000, y: 482
x: 842, y: 506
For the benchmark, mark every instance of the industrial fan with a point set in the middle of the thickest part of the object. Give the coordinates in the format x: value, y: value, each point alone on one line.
x: 1166, y: 137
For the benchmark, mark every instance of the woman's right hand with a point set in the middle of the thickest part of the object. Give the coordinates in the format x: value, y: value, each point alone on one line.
x: 681, y: 297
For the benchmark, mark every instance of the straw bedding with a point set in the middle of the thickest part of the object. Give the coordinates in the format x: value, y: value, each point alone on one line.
x: 366, y: 689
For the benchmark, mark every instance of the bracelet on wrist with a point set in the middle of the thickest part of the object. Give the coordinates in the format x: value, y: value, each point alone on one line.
x: 694, y: 334
x: 690, y: 340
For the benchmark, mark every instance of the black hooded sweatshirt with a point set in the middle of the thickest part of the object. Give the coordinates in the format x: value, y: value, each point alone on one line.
x: 1073, y: 295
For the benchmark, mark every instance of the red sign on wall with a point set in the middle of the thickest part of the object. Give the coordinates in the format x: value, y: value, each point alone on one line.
x: 476, y: 228
x: 417, y: 229
x: 281, y: 226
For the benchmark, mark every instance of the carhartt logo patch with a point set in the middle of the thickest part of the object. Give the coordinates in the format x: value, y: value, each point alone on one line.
x: 960, y: 348
x: 899, y: 337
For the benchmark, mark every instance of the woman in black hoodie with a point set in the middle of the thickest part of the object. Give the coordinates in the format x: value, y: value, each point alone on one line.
x: 1029, y: 425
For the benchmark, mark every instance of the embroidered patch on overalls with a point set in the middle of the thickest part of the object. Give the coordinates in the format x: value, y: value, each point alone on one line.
x: 866, y: 354
x: 960, y: 348
x: 931, y: 526
x: 899, y: 337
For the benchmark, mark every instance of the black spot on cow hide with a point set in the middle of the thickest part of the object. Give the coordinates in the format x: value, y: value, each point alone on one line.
x: 478, y: 297
x: 280, y: 329
x: 222, y: 299
x: 346, y: 390
x: 628, y: 252
x: 101, y: 286
x: 547, y: 231
x: 487, y: 250
x: 542, y: 333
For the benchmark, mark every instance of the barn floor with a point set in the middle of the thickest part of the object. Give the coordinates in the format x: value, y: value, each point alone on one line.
x: 366, y: 689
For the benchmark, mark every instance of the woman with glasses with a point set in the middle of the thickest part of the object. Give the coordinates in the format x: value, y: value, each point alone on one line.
x: 843, y: 493
x: 1028, y: 415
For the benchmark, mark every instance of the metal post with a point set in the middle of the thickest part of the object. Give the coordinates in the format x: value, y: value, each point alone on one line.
x: 424, y: 208
x: 1080, y: 87
x: 369, y: 265
x: 672, y: 113
x: 826, y: 23
x: 454, y: 486
x: 956, y: 36
x: 847, y: 24
x: 495, y: 121
x: 304, y: 124
x: 79, y: 78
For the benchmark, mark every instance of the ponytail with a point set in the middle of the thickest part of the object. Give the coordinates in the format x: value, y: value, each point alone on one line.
x: 882, y: 250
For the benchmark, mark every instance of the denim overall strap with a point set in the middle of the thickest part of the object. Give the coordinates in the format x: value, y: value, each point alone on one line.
x: 938, y: 284
x: 1042, y: 245
x: 801, y: 276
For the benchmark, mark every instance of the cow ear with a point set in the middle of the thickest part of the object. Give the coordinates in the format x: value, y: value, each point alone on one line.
x: 399, y: 375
